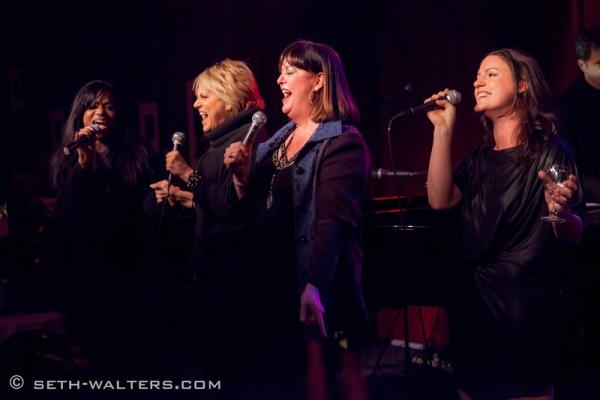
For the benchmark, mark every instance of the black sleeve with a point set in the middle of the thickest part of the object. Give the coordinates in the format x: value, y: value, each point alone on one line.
x: 341, y: 185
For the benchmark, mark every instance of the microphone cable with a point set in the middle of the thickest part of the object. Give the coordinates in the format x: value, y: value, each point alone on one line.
x: 178, y: 139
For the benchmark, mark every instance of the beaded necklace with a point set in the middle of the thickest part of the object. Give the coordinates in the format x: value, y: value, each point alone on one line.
x: 281, y: 162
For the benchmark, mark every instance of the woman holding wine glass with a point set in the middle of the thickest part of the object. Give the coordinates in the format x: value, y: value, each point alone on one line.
x: 557, y: 174
x: 504, y: 317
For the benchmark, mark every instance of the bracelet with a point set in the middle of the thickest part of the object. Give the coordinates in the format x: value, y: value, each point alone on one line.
x: 193, y: 180
x: 236, y: 182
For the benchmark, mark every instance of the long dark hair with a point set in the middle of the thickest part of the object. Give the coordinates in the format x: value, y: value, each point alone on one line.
x: 533, y: 105
x: 124, y: 153
x: 335, y: 102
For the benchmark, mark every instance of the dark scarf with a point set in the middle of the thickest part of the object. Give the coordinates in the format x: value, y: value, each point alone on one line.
x: 225, y: 131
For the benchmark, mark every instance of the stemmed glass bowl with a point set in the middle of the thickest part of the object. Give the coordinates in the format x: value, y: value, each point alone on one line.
x: 558, y: 174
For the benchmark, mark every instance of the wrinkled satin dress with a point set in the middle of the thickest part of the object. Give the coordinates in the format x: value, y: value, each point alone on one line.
x: 504, y: 318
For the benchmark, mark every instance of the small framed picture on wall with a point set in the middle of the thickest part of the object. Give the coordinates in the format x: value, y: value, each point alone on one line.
x: 148, y: 117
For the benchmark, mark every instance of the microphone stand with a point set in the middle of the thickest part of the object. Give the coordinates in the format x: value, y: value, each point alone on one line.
x: 407, y: 358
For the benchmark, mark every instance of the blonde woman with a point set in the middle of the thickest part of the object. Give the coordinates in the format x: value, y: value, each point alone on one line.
x: 227, y: 96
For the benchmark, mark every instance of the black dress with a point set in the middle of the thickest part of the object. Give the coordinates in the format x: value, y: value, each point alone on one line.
x: 505, y: 323
x: 276, y: 333
x: 114, y: 247
x: 210, y: 305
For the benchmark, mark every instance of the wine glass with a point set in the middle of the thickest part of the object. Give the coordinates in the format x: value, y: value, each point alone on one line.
x: 558, y: 174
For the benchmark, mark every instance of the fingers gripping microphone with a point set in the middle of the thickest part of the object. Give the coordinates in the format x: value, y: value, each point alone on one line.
x: 178, y: 140
x: 77, y: 143
x: 453, y: 97
x: 258, y: 120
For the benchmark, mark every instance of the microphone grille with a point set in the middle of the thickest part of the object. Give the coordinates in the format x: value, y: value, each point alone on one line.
x: 178, y: 138
x: 453, y: 97
x: 259, y: 118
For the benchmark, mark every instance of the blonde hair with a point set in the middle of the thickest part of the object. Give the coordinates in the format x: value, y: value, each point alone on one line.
x: 233, y: 82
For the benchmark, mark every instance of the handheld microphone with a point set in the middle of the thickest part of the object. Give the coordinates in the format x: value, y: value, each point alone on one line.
x: 453, y: 97
x: 77, y: 143
x: 258, y: 120
x: 178, y: 139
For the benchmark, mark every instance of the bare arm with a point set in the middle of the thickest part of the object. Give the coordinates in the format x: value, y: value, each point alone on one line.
x: 441, y: 191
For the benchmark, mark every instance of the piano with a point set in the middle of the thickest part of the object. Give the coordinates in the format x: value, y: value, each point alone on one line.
x: 405, y: 259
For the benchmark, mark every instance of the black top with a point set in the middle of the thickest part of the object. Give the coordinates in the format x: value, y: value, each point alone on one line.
x: 504, y: 319
x: 328, y: 181
x: 104, y: 218
x: 272, y: 244
x: 208, y: 218
x: 502, y: 205
x: 212, y: 216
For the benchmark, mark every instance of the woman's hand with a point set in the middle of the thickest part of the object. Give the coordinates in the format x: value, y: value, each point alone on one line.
x: 176, y: 195
x: 176, y: 165
x: 311, y: 309
x: 236, y: 158
x: 560, y: 196
x: 160, y: 191
x: 86, y: 152
x: 444, y: 117
x: 556, y: 195
x: 442, y: 194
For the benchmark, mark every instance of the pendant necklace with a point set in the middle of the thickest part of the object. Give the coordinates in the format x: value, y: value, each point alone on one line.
x: 282, y: 162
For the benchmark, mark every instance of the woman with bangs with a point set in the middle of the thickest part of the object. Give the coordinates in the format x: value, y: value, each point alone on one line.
x: 505, y: 322
x: 303, y: 199
x: 101, y: 190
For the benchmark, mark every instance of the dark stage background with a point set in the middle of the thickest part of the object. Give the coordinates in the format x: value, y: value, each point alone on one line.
x: 151, y: 48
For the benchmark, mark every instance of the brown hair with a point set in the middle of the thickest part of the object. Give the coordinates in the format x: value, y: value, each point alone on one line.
x: 533, y: 105
x: 334, y: 101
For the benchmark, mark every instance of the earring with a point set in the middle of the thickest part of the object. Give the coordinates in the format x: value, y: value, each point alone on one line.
x: 310, y: 97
